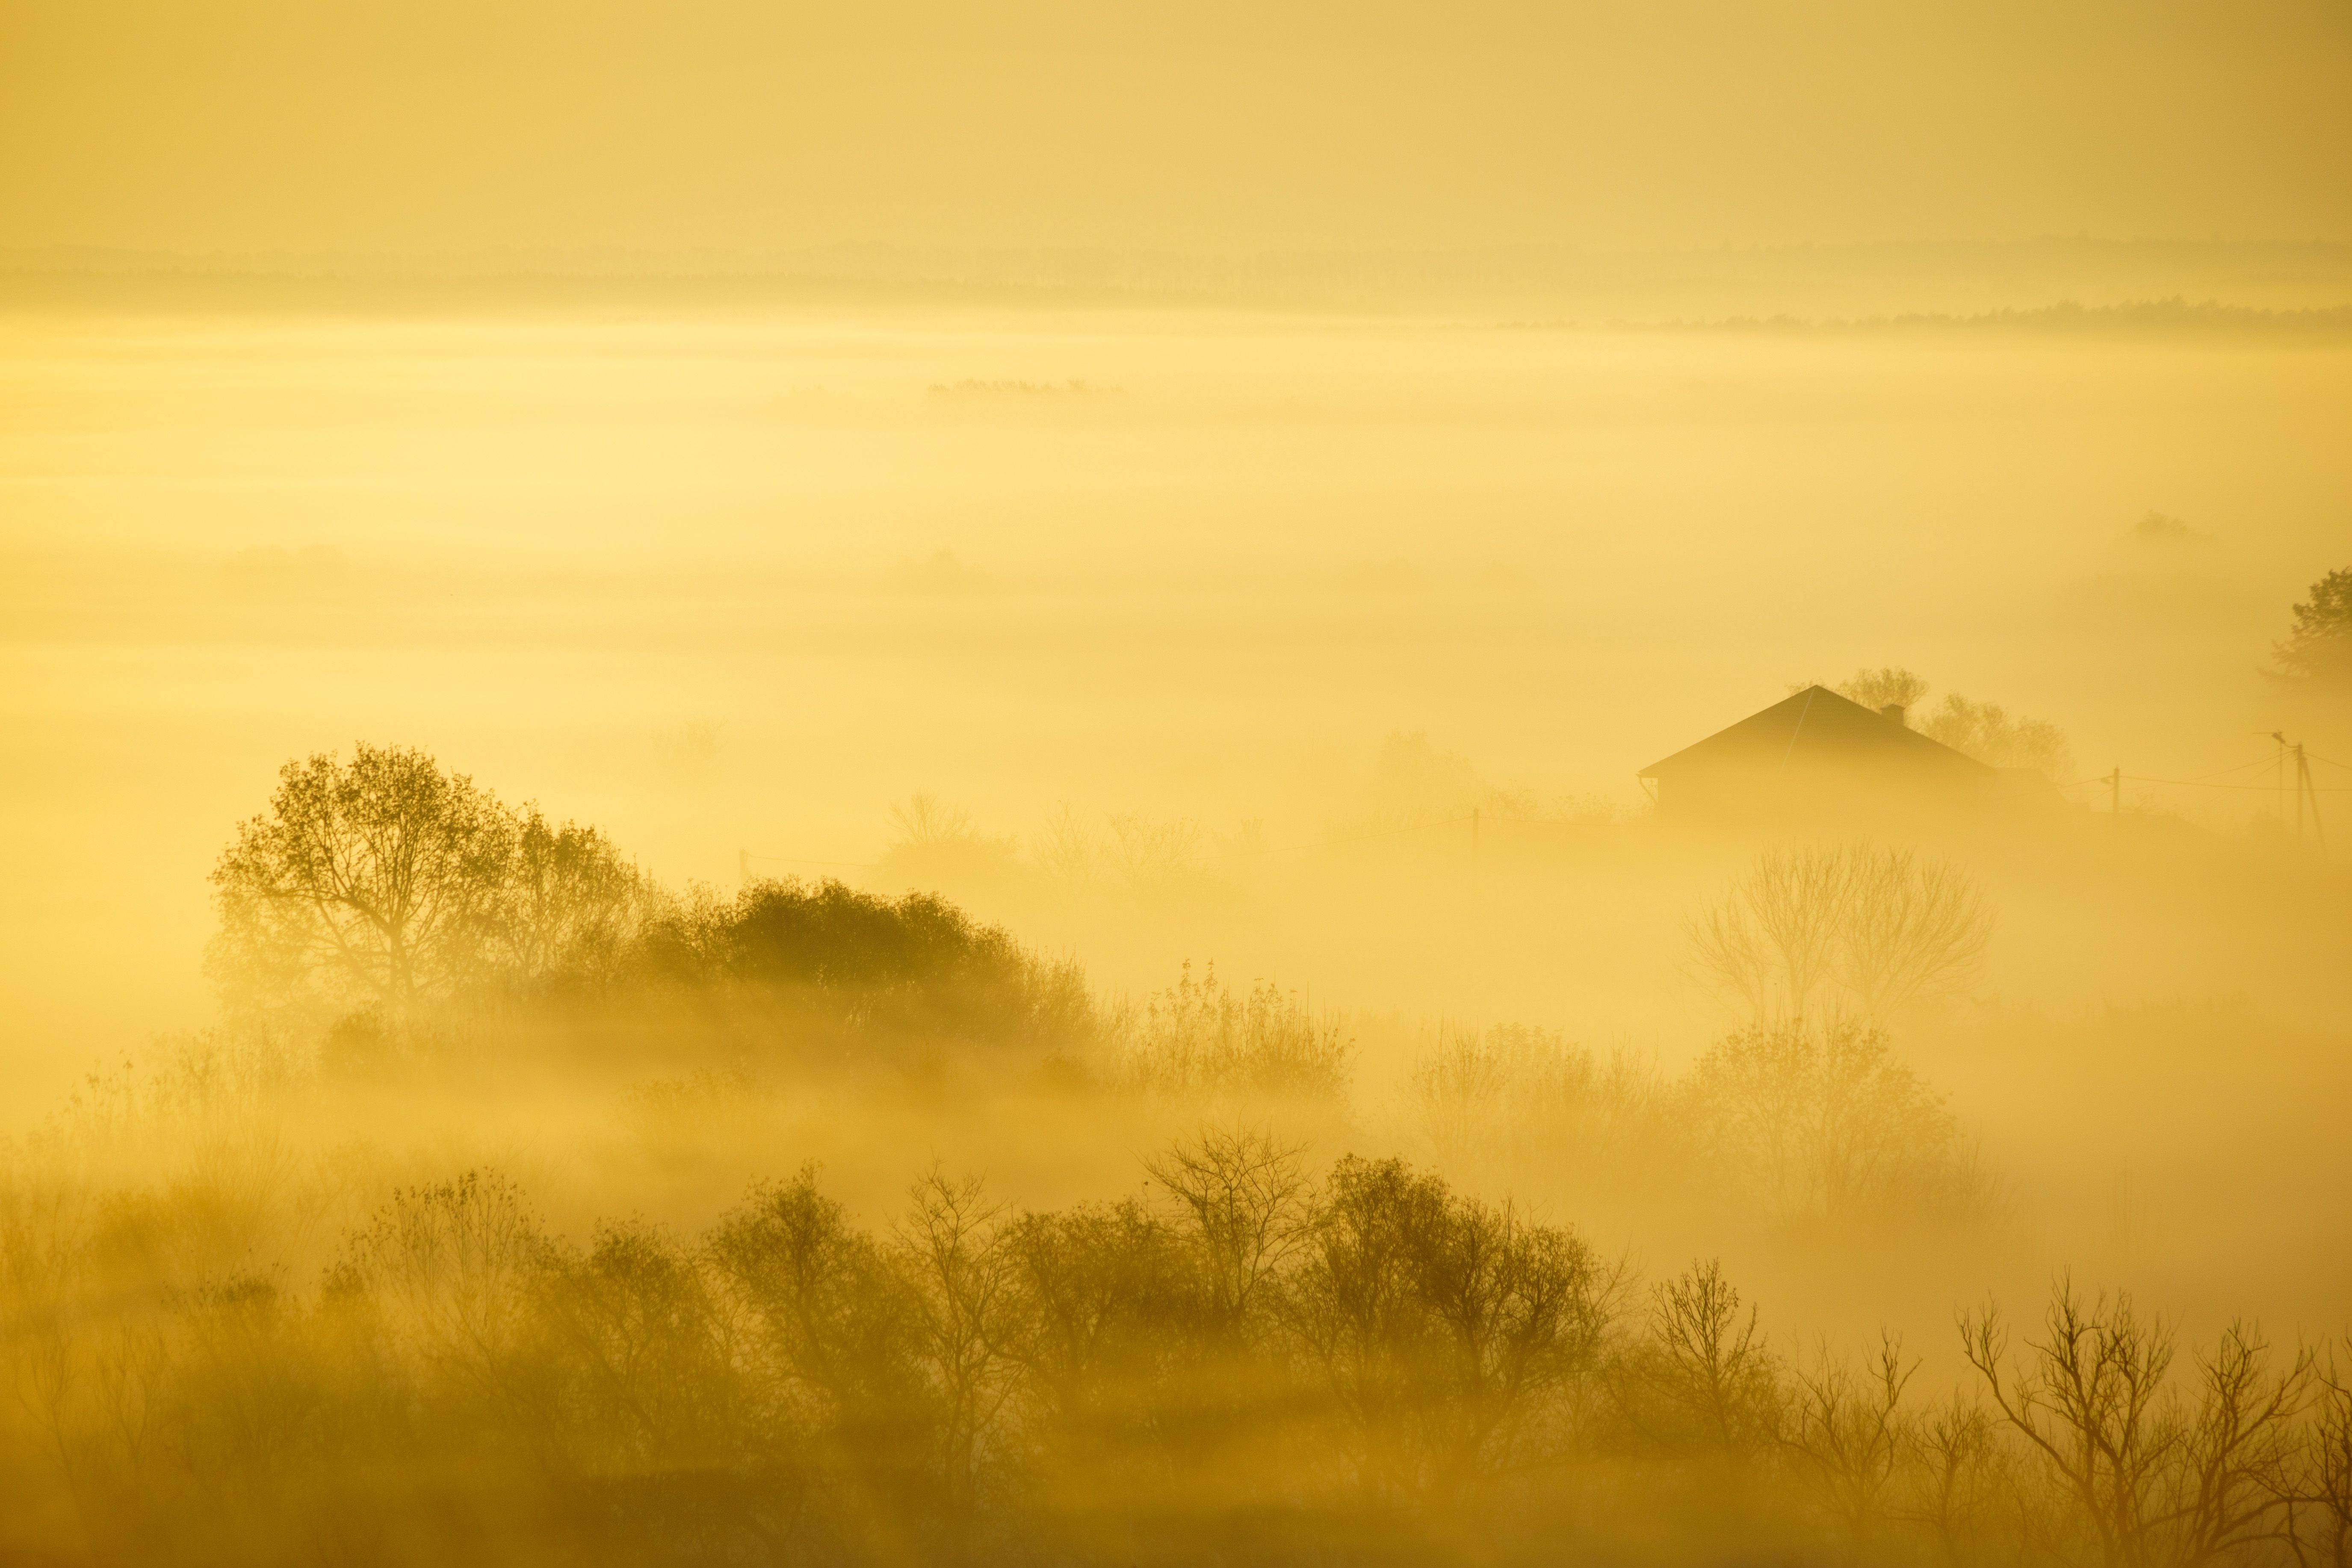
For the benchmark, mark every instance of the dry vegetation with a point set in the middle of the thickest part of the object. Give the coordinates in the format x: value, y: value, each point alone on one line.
x: 248, y: 1321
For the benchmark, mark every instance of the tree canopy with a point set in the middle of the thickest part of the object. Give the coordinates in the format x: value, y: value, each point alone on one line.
x: 385, y: 881
x: 2319, y: 645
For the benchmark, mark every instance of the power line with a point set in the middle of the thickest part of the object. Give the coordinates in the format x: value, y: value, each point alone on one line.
x: 2202, y: 783
x: 2241, y: 767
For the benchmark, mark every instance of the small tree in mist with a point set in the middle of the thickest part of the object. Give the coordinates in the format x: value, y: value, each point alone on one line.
x: 1439, y: 1326
x: 387, y: 881
x: 938, y: 843
x: 2319, y: 1498
x: 1703, y: 1378
x: 1775, y: 940
x: 837, y: 1336
x: 1847, y: 1426
x: 1881, y: 924
x: 1150, y: 857
x: 567, y: 907
x: 2319, y: 645
x: 1824, y: 1120
x: 456, y: 1260
x: 1245, y: 1197
x: 825, y: 960
x: 1199, y: 1038
x: 1876, y: 688
x: 1986, y: 731
x: 1511, y: 1090
x: 1911, y: 930
x: 951, y: 1246
x: 377, y: 875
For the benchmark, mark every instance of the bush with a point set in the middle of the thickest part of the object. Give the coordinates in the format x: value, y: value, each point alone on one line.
x: 915, y: 967
x: 1198, y: 1038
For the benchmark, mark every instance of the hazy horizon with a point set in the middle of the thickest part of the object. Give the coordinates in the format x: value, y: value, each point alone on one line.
x: 875, y: 784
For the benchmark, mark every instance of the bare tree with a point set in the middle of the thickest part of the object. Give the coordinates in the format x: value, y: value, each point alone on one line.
x: 2320, y: 1488
x: 1881, y: 924
x: 1817, y: 1120
x: 1910, y: 931
x: 2156, y: 1481
x: 1848, y: 1428
x: 1705, y: 1365
x: 1775, y: 939
x: 2089, y: 1401
x: 2236, y: 1449
x: 1959, y: 1473
x: 1247, y: 1200
x: 951, y: 1245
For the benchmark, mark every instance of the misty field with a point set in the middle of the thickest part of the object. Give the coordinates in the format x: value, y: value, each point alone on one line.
x: 942, y: 934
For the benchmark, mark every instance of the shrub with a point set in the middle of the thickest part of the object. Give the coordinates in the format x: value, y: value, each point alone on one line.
x: 1197, y: 1038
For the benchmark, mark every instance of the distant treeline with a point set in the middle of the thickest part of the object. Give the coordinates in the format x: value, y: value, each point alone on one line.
x: 1554, y: 285
x: 2136, y: 318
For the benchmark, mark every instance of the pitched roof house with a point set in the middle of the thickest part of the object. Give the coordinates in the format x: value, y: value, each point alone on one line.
x: 1818, y: 754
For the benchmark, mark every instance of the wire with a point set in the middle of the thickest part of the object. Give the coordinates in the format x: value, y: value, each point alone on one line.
x: 2202, y: 784
x: 2241, y: 767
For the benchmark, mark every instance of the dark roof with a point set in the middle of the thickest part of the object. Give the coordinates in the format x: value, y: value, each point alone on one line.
x: 1817, y: 725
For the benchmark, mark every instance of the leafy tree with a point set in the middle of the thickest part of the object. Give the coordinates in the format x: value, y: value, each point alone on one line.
x: 915, y: 966
x: 1880, y: 688
x: 374, y: 876
x: 1986, y: 731
x: 2319, y: 645
x: 567, y: 904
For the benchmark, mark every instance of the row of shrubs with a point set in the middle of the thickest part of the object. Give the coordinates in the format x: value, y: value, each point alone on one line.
x: 1805, y: 1122
x: 1245, y: 1363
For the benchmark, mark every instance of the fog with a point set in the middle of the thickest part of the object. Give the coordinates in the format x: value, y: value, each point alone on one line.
x: 727, y: 583
x: 936, y: 788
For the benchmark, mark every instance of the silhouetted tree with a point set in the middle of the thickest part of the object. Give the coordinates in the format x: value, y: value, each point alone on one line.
x: 1885, y: 925
x: 375, y: 875
x: 1818, y: 1120
x: 567, y: 905
x: 1703, y: 1378
x: 2319, y: 645
x: 1878, y: 689
x: 2154, y: 1479
x: 1986, y: 731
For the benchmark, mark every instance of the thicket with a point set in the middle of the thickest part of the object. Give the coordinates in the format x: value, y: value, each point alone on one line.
x: 395, y: 908
x: 1794, y: 1124
x: 1252, y: 1362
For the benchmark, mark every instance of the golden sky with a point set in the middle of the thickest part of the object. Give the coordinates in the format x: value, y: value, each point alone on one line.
x: 434, y: 126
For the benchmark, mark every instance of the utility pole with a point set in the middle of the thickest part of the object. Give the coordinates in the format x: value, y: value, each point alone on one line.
x: 2306, y: 790
x: 2302, y: 784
